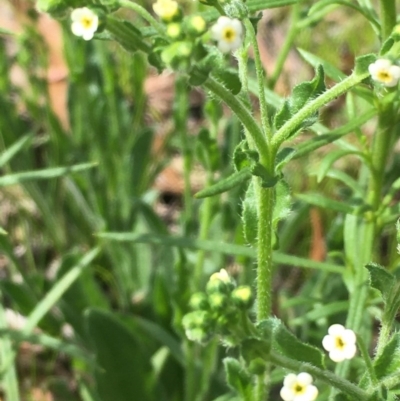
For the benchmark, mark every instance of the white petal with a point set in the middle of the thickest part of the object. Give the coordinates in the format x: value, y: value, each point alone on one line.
x: 88, y: 35
x: 237, y: 26
x: 290, y: 380
x: 349, y: 336
x: 223, y: 21
x: 337, y: 355
x: 373, y: 69
x: 328, y: 342
x: 287, y: 394
x: 77, y: 14
x: 304, y: 378
x: 77, y: 29
x: 224, y: 46
x: 349, y: 351
x: 311, y: 393
x: 395, y: 71
x: 336, y: 329
x: 383, y: 63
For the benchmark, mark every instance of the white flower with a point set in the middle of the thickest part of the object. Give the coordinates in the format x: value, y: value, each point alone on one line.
x: 340, y: 343
x: 84, y: 22
x: 228, y: 33
x: 166, y: 9
x: 298, y: 388
x: 222, y: 275
x: 384, y: 72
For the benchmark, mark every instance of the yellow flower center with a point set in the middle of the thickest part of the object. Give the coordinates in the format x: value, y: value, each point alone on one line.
x: 87, y: 22
x: 339, y: 343
x: 384, y: 76
x: 229, y: 34
x: 299, y: 389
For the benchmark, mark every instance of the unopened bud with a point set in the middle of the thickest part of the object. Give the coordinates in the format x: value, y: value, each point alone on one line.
x: 199, y: 301
x: 242, y: 296
x: 218, y: 301
x: 196, y: 25
x: 174, y: 30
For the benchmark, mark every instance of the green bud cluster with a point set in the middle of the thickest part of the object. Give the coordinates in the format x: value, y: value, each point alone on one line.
x: 184, y: 46
x: 217, y: 310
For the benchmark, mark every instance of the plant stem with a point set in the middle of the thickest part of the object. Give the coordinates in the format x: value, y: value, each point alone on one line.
x: 388, y: 17
x: 205, y: 221
x: 314, y: 105
x: 289, y: 39
x: 144, y: 14
x: 265, y: 197
x: 368, y: 230
x: 241, y: 112
x: 324, y: 375
x: 260, y: 79
x: 181, y: 115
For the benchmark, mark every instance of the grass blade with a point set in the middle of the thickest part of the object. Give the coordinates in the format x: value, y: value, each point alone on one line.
x: 57, y: 291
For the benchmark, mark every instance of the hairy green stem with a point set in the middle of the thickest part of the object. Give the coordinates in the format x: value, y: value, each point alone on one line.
x: 144, y: 14
x: 241, y: 112
x: 181, y: 115
x: 260, y: 79
x: 388, y: 17
x: 368, y: 230
x: 265, y: 197
x: 314, y: 105
x: 205, y: 221
x: 324, y: 375
x: 289, y: 39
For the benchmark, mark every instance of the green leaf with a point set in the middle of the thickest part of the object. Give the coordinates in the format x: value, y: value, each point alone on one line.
x: 45, y: 174
x: 388, y: 361
x: 330, y: 158
x: 381, y: 279
x: 250, y: 215
x: 238, y: 379
x: 163, y: 337
x: 308, y: 90
x: 283, y: 157
x: 127, y: 35
x: 229, y: 78
x: 363, y: 62
x: 220, y: 247
x: 330, y: 70
x: 326, y: 203
x: 16, y: 147
x: 225, y: 184
x: 282, y: 115
x: 58, y: 290
x: 321, y: 140
x: 292, y: 347
x: 125, y: 372
x: 207, y: 150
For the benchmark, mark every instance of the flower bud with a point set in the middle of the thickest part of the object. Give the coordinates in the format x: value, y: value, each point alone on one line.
x: 242, y: 296
x: 195, y: 25
x: 220, y: 282
x: 198, y: 335
x: 197, y: 319
x: 177, y: 55
x: 218, y: 301
x: 174, y: 30
x: 199, y: 301
x: 167, y: 10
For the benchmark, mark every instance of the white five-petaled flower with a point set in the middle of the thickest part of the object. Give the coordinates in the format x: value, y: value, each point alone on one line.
x: 166, y: 9
x: 384, y: 72
x: 298, y: 388
x: 340, y: 343
x: 84, y: 22
x: 228, y: 33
